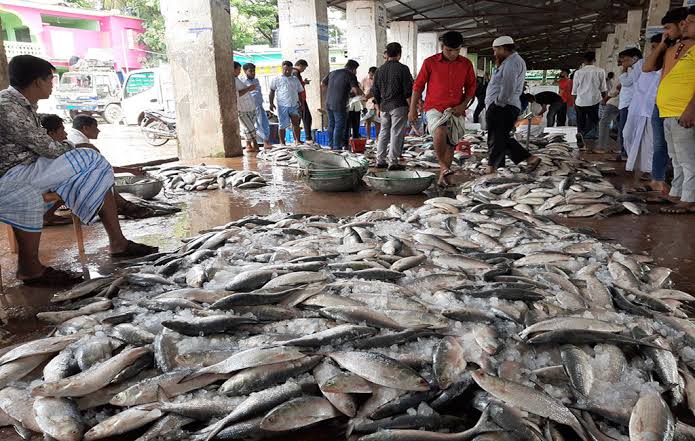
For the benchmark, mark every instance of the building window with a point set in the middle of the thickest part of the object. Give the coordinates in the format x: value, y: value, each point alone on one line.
x: 22, y: 34
x: 132, y: 38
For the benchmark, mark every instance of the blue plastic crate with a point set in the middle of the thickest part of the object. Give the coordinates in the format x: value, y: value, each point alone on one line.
x: 289, y: 136
x: 321, y: 137
x: 363, y: 131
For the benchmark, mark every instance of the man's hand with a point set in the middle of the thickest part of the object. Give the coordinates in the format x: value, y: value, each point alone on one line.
x: 272, y: 107
x: 459, y: 110
x: 412, y: 116
x: 687, y: 119
x: 251, y: 87
x: 306, y: 81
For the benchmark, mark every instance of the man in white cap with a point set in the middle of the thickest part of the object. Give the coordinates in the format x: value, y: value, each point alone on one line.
x: 503, y: 105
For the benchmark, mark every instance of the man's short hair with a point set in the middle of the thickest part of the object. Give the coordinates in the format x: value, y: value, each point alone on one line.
x: 352, y: 65
x: 51, y: 122
x: 287, y: 63
x: 452, y: 39
x: 631, y: 52
x: 566, y: 70
x: 675, y: 16
x: 610, y: 75
x: 531, y: 98
x: 248, y: 66
x: 82, y: 121
x: 301, y: 63
x: 237, y: 65
x: 691, y: 10
x: 25, y: 69
x: 394, y: 49
x: 589, y: 57
x: 372, y: 69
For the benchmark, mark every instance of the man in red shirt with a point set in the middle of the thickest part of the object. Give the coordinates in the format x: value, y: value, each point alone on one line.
x: 450, y: 81
x: 565, y: 86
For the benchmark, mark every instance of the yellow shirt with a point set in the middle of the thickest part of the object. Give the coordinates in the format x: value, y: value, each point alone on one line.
x: 677, y: 87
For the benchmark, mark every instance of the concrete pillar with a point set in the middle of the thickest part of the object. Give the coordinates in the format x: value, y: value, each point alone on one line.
x: 611, y: 58
x: 633, y: 28
x: 199, y: 47
x: 366, y: 33
x: 427, y: 45
x: 657, y: 10
x: 405, y: 33
x: 600, y: 54
x: 4, y: 80
x: 304, y: 34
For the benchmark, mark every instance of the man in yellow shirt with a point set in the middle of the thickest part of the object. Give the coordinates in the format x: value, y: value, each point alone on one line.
x: 676, y: 102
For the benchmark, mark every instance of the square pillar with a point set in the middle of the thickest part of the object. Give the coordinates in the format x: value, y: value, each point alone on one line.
x: 611, y: 59
x: 405, y: 33
x: 199, y: 46
x: 427, y: 45
x: 366, y: 33
x: 4, y: 79
x: 633, y: 28
x: 304, y: 35
x: 600, y: 54
x: 657, y: 10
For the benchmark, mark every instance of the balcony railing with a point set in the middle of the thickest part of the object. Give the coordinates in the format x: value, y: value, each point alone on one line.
x: 13, y: 48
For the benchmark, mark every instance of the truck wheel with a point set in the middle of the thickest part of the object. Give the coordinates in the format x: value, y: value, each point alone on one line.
x: 113, y: 114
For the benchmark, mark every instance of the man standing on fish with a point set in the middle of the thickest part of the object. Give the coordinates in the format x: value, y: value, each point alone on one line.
x: 450, y: 81
x: 503, y: 106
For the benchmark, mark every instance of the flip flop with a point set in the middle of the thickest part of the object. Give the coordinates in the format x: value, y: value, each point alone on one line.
x: 54, y: 221
x: 52, y: 277
x: 658, y: 200
x: 677, y: 209
x: 135, y: 250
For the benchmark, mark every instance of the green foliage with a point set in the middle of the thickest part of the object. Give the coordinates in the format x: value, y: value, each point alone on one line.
x: 262, y: 14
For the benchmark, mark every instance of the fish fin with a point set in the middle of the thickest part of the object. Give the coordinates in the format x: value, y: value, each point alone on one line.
x: 162, y: 395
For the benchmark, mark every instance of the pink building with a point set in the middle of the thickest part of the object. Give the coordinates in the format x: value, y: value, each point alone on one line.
x: 58, y: 33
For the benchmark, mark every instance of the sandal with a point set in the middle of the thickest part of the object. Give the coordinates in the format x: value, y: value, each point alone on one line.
x: 55, y: 220
x: 52, y: 277
x: 677, y: 209
x: 658, y: 200
x: 442, y: 178
x: 135, y: 250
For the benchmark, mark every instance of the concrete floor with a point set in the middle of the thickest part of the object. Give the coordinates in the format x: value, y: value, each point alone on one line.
x: 121, y: 144
x: 669, y: 239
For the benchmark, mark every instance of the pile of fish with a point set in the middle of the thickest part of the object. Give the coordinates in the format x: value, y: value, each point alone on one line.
x: 206, y: 177
x: 436, y: 323
x: 282, y: 155
x: 154, y: 207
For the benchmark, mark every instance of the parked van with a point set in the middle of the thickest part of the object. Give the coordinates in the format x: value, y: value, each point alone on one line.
x: 147, y: 89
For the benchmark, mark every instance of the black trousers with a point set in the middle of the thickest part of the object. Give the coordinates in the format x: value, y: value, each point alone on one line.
x: 306, y: 120
x: 478, y: 109
x: 500, y: 143
x: 557, y: 112
x: 353, y: 125
x: 587, y: 118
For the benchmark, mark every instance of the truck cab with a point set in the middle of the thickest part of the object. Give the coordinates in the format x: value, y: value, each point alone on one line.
x: 90, y: 91
x: 147, y: 89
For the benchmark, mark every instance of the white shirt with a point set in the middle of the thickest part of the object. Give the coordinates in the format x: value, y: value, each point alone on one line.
x: 245, y: 102
x: 287, y: 90
x: 628, y: 83
x: 76, y: 137
x: 589, y: 82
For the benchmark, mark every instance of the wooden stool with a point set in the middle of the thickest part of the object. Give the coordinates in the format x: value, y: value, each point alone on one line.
x: 76, y: 223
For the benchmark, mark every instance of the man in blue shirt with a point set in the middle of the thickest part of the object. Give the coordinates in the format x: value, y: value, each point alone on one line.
x: 503, y: 106
x: 337, y: 86
x: 262, y: 123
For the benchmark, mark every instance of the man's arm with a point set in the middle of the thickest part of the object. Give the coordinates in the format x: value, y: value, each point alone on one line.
x: 687, y: 119
x: 469, y: 86
x: 655, y: 60
x: 246, y: 90
x: 376, y: 89
x: 271, y: 98
x: 408, y: 85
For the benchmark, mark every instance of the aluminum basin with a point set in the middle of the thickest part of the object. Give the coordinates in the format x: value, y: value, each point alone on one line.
x: 400, y: 182
x: 143, y: 187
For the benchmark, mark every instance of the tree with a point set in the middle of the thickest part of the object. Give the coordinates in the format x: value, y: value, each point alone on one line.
x: 265, y: 13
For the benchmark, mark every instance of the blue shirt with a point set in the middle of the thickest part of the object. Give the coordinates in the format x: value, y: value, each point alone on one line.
x: 257, y: 94
x: 507, y: 83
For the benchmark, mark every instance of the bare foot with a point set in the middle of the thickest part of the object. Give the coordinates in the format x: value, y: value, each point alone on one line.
x: 489, y: 170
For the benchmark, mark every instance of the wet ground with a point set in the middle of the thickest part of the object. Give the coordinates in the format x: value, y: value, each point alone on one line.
x: 669, y: 239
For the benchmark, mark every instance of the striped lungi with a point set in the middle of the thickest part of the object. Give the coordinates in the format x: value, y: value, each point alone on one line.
x: 248, y: 122
x: 81, y: 177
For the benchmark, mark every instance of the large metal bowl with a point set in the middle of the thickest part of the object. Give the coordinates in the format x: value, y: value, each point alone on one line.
x: 317, y: 160
x: 400, y: 182
x: 141, y: 186
x: 334, y: 184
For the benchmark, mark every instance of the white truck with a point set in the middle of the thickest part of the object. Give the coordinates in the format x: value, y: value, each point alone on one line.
x: 147, y: 90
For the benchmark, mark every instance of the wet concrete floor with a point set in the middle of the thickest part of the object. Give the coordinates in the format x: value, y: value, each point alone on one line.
x: 670, y: 239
